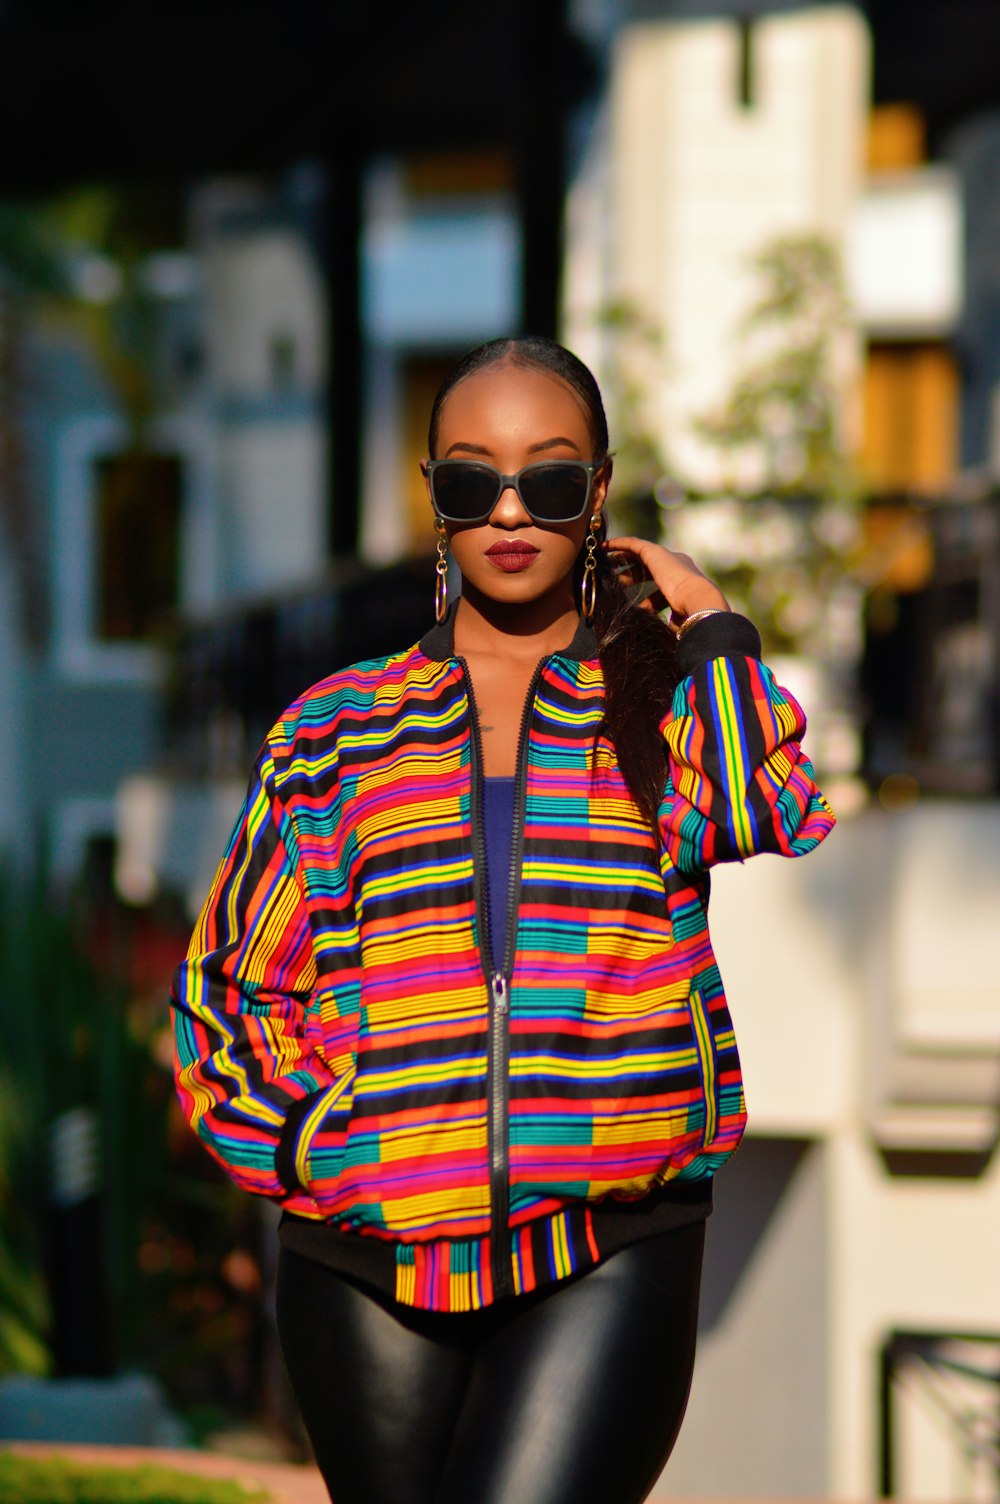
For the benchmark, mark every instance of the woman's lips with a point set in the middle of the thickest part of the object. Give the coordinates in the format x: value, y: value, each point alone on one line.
x: 511, y: 557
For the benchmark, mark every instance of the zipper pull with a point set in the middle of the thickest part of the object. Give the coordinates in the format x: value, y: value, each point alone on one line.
x: 499, y: 986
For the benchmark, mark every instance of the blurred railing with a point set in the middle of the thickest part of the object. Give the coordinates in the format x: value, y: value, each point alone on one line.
x: 232, y: 675
x: 954, y: 1379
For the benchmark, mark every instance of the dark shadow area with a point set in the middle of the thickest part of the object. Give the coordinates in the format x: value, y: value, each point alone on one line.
x: 747, y: 1196
x: 937, y: 1164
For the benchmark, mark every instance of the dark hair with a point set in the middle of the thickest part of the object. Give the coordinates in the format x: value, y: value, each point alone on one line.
x: 636, y: 649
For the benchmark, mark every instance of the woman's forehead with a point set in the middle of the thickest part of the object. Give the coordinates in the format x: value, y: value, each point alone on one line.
x: 514, y: 395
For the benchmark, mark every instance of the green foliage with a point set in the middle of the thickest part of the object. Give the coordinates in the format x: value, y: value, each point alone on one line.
x: 45, y: 1016
x: 633, y: 347
x: 42, y: 245
x: 784, y: 408
x: 79, y: 1029
x: 30, y: 255
x: 69, y: 1042
x: 781, y: 537
x: 63, y: 1480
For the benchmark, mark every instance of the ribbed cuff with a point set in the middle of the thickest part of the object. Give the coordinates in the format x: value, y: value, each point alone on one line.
x: 718, y: 636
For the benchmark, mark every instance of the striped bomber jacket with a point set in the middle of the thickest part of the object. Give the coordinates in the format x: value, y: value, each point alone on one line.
x: 343, y: 1044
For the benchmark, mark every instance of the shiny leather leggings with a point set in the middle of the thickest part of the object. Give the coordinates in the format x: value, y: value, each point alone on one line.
x: 571, y: 1395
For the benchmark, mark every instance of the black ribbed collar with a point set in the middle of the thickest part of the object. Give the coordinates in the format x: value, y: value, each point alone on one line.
x: 439, y: 642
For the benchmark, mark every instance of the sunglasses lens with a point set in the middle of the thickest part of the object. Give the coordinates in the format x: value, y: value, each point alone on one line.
x: 465, y: 493
x: 556, y: 492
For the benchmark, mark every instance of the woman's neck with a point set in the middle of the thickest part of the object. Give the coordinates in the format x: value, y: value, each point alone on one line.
x: 529, y: 630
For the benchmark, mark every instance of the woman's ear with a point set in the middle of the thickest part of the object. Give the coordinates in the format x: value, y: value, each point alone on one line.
x: 601, y: 483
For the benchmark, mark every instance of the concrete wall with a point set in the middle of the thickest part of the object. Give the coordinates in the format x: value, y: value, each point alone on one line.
x: 818, y: 1250
x: 755, y: 1426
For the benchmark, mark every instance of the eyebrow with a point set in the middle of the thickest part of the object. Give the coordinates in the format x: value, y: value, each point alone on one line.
x: 532, y: 448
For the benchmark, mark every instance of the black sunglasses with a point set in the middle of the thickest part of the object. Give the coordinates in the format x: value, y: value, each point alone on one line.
x: 549, y: 491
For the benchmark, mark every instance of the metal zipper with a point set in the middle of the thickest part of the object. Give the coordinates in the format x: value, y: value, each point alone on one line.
x: 498, y: 982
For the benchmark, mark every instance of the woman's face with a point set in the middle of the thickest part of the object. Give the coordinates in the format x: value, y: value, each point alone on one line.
x: 509, y: 416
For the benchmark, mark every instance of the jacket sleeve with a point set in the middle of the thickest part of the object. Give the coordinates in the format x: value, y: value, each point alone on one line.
x: 246, y: 1076
x: 739, y: 782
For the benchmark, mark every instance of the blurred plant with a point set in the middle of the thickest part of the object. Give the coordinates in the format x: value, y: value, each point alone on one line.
x: 179, y: 1240
x: 26, y: 1479
x: 69, y: 1048
x: 632, y: 363
x: 106, y: 235
x: 782, y: 416
x: 78, y: 262
x: 30, y: 253
x: 30, y: 266
x: 782, y: 536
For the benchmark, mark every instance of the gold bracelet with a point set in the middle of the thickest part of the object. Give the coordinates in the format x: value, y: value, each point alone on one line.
x: 689, y: 621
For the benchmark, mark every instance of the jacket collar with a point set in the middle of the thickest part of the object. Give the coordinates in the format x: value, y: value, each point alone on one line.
x: 439, y: 643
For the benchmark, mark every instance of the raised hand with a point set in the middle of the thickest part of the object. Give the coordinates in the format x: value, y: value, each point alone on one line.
x: 676, y: 578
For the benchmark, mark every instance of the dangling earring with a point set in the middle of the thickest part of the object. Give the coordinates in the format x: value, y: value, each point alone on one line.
x: 588, y: 592
x: 441, y: 572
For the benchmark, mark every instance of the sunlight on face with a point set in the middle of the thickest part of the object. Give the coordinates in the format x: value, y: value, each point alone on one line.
x: 509, y: 416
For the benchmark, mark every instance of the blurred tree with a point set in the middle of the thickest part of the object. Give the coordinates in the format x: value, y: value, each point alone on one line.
x: 106, y: 235
x: 76, y: 261
x: 782, y: 534
x: 100, y: 1181
x: 30, y: 266
x: 784, y: 412
x: 632, y: 363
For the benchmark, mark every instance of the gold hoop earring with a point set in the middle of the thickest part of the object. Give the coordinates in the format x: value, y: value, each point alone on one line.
x: 441, y: 574
x: 588, y: 592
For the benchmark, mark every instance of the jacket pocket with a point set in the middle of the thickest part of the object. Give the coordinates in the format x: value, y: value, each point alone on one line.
x: 704, y: 1039
x: 316, y: 1120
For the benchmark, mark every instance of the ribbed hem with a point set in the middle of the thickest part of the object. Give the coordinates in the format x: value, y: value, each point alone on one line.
x: 456, y: 1276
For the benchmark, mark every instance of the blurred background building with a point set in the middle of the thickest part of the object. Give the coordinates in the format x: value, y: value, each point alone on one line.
x: 234, y: 266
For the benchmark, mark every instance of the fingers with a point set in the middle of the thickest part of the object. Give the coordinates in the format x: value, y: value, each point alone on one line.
x: 644, y: 548
x: 678, y: 580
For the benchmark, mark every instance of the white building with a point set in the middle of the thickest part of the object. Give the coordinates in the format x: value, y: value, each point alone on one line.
x: 716, y: 137
x: 866, y: 1200
x: 864, y: 1205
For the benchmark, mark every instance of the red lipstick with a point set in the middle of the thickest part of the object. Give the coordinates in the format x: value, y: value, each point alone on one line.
x: 512, y: 555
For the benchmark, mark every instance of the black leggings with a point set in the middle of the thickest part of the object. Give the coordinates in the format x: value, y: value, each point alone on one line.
x: 571, y: 1395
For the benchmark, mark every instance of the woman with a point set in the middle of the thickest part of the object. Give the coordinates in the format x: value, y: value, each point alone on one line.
x: 452, y: 1000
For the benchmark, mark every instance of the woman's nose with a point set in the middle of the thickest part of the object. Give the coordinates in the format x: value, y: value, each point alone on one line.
x: 509, y: 509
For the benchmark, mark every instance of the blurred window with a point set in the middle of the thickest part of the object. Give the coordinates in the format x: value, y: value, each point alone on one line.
x: 458, y: 174
x: 910, y: 416
x: 897, y: 138
x: 137, y: 516
x: 421, y: 378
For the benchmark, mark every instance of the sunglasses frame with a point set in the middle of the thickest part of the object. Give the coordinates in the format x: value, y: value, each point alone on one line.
x: 592, y: 468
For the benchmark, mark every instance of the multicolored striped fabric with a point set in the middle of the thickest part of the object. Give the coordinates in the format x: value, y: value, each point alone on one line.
x: 332, y: 1019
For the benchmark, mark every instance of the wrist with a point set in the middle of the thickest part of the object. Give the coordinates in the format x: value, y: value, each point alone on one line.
x: 707, y: 597
x: 703, y: 597
x: 681, y: 625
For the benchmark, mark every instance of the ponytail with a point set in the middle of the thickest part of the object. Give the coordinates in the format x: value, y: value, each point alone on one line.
x: 638, y: 654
